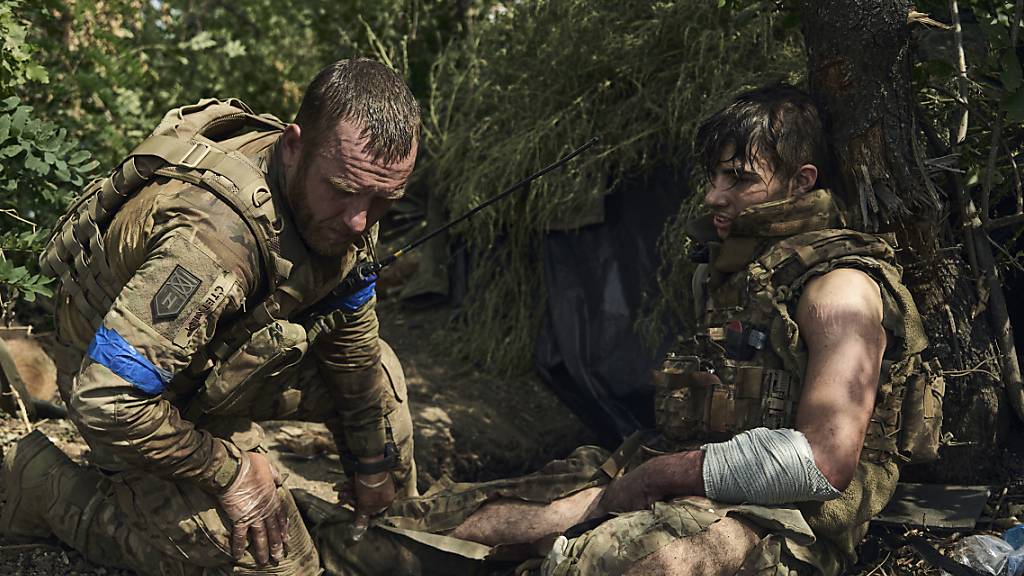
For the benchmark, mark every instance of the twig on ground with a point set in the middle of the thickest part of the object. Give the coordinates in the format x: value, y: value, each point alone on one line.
x: 32, y: 546
x: 999, y: 506
x: 882, y: 563
x: 22, y: 410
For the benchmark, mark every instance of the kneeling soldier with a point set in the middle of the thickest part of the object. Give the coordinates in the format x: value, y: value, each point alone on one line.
x: 197, y: 294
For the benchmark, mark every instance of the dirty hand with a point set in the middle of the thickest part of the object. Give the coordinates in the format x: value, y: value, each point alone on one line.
x: 374, y: 493
x: 627, y: 493
x: 256, y: 511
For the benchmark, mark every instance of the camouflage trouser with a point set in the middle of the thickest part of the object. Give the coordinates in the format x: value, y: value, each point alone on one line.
x: 134, y: 520
x: 817, y: 539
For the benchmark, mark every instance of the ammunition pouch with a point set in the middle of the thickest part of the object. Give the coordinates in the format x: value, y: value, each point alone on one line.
x: 693, y: 404
x: 920, y: 428
x: 250, y: 371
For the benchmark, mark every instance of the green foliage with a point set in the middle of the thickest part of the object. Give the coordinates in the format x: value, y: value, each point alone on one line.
x: 20, y: 283
x: 994, y: 98
x: 117, y: 66
x: 113, y: 68
x: 41, y: 168
x: 543, y: 78
x: 16, y: 65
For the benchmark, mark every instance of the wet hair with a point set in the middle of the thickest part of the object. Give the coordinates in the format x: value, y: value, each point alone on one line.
x: 369, y: 93
x: 780, y: 123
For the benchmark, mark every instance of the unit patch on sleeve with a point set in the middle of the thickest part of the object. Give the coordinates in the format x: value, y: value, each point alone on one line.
x: 175, y: 292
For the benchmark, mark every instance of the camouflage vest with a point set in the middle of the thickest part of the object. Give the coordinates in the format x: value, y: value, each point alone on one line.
x: 744, y: 366
x: 211, y: 144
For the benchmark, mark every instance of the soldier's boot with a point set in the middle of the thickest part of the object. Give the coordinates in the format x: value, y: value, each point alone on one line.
x: 34, y: 472
x: 48, y: 495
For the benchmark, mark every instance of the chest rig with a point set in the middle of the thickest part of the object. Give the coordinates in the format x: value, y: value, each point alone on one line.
x: 215, y: 145
x: 744, y: 366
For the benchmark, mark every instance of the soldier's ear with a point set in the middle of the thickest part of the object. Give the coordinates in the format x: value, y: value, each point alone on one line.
x: 805, y: 178
x: 291, y: 143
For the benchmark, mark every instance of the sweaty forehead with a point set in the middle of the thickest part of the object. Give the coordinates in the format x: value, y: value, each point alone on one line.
x: 729, y: 159
x: 345, y: 157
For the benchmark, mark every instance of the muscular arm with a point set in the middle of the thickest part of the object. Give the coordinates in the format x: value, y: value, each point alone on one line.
x: 840, y: 320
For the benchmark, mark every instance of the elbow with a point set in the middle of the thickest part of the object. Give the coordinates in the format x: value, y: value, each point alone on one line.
x: 840, y: 479
x: 92, y: 416
x: 838, y: 470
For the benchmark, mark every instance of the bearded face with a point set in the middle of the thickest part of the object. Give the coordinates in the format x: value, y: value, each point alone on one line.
x: 337, y: 189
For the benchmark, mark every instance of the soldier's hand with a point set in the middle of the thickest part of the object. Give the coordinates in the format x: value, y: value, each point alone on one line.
x: 256, y: 511
x: 374, y: 493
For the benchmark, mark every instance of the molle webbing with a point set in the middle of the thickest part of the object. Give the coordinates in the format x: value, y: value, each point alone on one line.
x: 754, y: 292
x: 790, y: 259
x: 181, y: 148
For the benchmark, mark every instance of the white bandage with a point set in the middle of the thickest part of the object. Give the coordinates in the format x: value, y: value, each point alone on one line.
x: 763, y: 466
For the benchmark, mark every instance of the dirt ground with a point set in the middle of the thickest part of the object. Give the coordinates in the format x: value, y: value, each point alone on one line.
x: 471, y: 426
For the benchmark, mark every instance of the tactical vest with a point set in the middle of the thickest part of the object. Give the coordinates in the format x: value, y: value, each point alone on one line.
x: 744, y: 366
x: 200, y: 144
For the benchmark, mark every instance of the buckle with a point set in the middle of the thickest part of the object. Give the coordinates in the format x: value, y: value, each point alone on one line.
x: 192, y: 151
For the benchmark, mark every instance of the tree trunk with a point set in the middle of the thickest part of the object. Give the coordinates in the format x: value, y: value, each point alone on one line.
x: 859, y: 64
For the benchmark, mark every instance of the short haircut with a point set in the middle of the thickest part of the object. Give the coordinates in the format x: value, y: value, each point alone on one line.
x: 780, y: 123
x: 369, y: 93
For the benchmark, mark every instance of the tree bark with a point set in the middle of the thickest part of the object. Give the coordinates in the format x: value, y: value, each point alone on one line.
x: 859, y: 71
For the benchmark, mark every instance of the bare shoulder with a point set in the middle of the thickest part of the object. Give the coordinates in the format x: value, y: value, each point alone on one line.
x: 843, y: 298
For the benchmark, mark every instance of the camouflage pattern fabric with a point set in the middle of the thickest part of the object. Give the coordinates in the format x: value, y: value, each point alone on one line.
x: 136, y: 520
x: 150, y: 290
x: 814, y: 539
x: 756, y: 381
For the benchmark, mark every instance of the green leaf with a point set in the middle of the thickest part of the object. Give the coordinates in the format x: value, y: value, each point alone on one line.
x: 37, y: 73
x: 234, y: 48
x: 33, y: 163
x: 9, y: 103
x: 78, y: 157
x: 16, y: 274
x: 1011, y: 75
x: 88, y: 167
x: 61, y: 171
x: 11, y: 150
x: 19, y: 119
x: 200, y: 41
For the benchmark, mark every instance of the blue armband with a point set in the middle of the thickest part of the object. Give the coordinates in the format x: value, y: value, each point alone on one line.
x: 110, y: 349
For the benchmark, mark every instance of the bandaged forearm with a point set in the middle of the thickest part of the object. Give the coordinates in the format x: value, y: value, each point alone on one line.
x: 763, y: 466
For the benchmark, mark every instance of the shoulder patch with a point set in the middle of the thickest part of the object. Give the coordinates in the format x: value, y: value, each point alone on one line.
x: 175, y: 292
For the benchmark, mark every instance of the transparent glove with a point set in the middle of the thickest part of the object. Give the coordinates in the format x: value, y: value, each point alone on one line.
x: 256, y: 511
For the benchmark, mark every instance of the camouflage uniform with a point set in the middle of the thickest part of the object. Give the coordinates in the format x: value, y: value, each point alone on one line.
x: 748, y: 339
x: 178, y: 335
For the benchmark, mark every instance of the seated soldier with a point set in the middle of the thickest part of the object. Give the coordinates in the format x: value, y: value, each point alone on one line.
x: 202, y: 286
x: 776, y: 421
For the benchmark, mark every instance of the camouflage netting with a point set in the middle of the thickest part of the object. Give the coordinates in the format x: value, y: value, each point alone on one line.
x: 539, y: 80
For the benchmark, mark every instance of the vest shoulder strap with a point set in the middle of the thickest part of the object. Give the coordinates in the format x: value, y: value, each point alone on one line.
x: 786, y: 261
x: 184, y: 146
